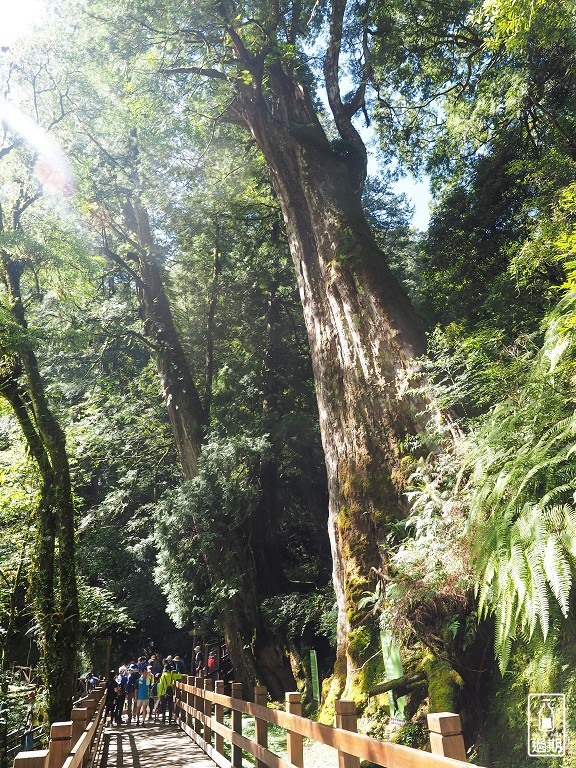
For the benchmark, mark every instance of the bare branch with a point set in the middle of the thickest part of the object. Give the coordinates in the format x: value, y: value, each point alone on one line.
x: 117, y: 259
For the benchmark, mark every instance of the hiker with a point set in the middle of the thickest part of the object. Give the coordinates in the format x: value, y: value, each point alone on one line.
x: 154, y: 700
x: 34, y: 716
x: 179, y: 665
x: 198, y: 661
x: 166, y: 691
x: 154, y: 662
x: 120, y: 695
x: 111, y: 693
x: 143, y: 686
x: 131, y: 689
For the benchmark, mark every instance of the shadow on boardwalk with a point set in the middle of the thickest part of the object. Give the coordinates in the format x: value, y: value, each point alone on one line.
x: 150, y: 746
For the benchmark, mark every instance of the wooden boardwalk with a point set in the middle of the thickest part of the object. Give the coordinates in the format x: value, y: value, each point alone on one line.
x: 150, y: 746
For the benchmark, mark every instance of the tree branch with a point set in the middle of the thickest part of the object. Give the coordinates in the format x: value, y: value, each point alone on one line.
x: 343, y: 112
x: 204, y: 71
x: 400, y: 685
x: 553, y: 120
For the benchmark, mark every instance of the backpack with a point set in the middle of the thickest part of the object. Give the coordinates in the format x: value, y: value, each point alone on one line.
x: 169, y: 688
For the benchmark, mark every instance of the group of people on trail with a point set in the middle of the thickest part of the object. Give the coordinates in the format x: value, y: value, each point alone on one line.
x: 144, y: 690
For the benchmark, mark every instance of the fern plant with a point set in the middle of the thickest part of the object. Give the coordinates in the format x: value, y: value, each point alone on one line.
x: 521, y: 493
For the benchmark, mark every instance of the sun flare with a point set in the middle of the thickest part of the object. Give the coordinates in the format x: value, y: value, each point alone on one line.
x: 18, y: 18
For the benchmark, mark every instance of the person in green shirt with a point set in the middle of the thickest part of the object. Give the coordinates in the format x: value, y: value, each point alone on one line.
x: 166, y: 689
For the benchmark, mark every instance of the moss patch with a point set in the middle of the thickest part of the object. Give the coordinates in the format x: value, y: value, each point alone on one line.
x: 444, y: 686
x: 332, y: 689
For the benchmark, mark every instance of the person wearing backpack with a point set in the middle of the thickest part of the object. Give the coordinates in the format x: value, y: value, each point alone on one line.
x: 166, y: 691
x: 111, y: 693
x: 153, y: 704
x: 144, y: 685
x: 131, y: 689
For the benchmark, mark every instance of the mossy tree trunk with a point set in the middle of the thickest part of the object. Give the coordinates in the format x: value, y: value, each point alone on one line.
x: 363, y: 332
x: 54, y: 583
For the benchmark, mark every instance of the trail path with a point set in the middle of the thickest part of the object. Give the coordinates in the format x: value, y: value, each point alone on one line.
x: 151, y: 746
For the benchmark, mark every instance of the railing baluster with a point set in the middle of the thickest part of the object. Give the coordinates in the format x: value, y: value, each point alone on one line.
x: 219, y: 717
x: 236, y: 725
x: 294, y: 741
x: 261, y: 726
x: 347, y: 720
x: 79, y: 722
x: 189, y: 699
x: 37, y: 758
x: 446, y: 735
x: 208, y: 686
x: 198, y: 705
x: 60, y: 743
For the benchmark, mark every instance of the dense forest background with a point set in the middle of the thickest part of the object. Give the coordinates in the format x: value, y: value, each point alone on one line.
x: 241, y: 396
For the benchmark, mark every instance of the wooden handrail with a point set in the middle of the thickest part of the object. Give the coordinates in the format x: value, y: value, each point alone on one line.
x: 59, y: 754
x: 349, y: 744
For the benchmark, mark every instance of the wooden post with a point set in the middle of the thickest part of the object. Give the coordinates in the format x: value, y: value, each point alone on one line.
x: 178, y: 695
x: 446, y: 735
x: 208, y: 686
x: 79, y: 722
x: 34, y: 758
x: 108, y: 665
x: 347, y: 720
x: 90, y: 704
x: 294, y: 741
x: 60, y: 743
x: 261, y: 726
x: 187, y: 698
x: 236, y: 725
x: 198, y: 705
x: 219, y: 717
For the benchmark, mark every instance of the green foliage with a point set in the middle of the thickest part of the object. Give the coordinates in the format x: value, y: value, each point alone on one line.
x: 302, y: 617
x: 428, y: 594
x: 516, y: 24
x: 208, y: 518
x: 522, y: 489
x: 100, y: 614
x: 470, y: 369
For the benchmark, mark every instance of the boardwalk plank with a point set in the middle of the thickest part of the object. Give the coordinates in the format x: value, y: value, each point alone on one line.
x: 151, y: 746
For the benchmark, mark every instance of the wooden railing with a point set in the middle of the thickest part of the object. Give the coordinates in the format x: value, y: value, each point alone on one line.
x: 200, y: 705
x: 73, y: 743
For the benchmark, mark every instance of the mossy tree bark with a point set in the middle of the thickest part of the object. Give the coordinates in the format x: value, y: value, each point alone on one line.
x: 362, y: 330
x: 363, y: 334
x: 54, y: 583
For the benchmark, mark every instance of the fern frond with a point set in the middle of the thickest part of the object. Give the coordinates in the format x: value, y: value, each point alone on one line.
x: 539, y: 593
x: 558, y: 572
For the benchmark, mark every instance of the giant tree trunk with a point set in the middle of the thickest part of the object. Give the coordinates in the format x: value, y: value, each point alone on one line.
x: 363, y: 334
